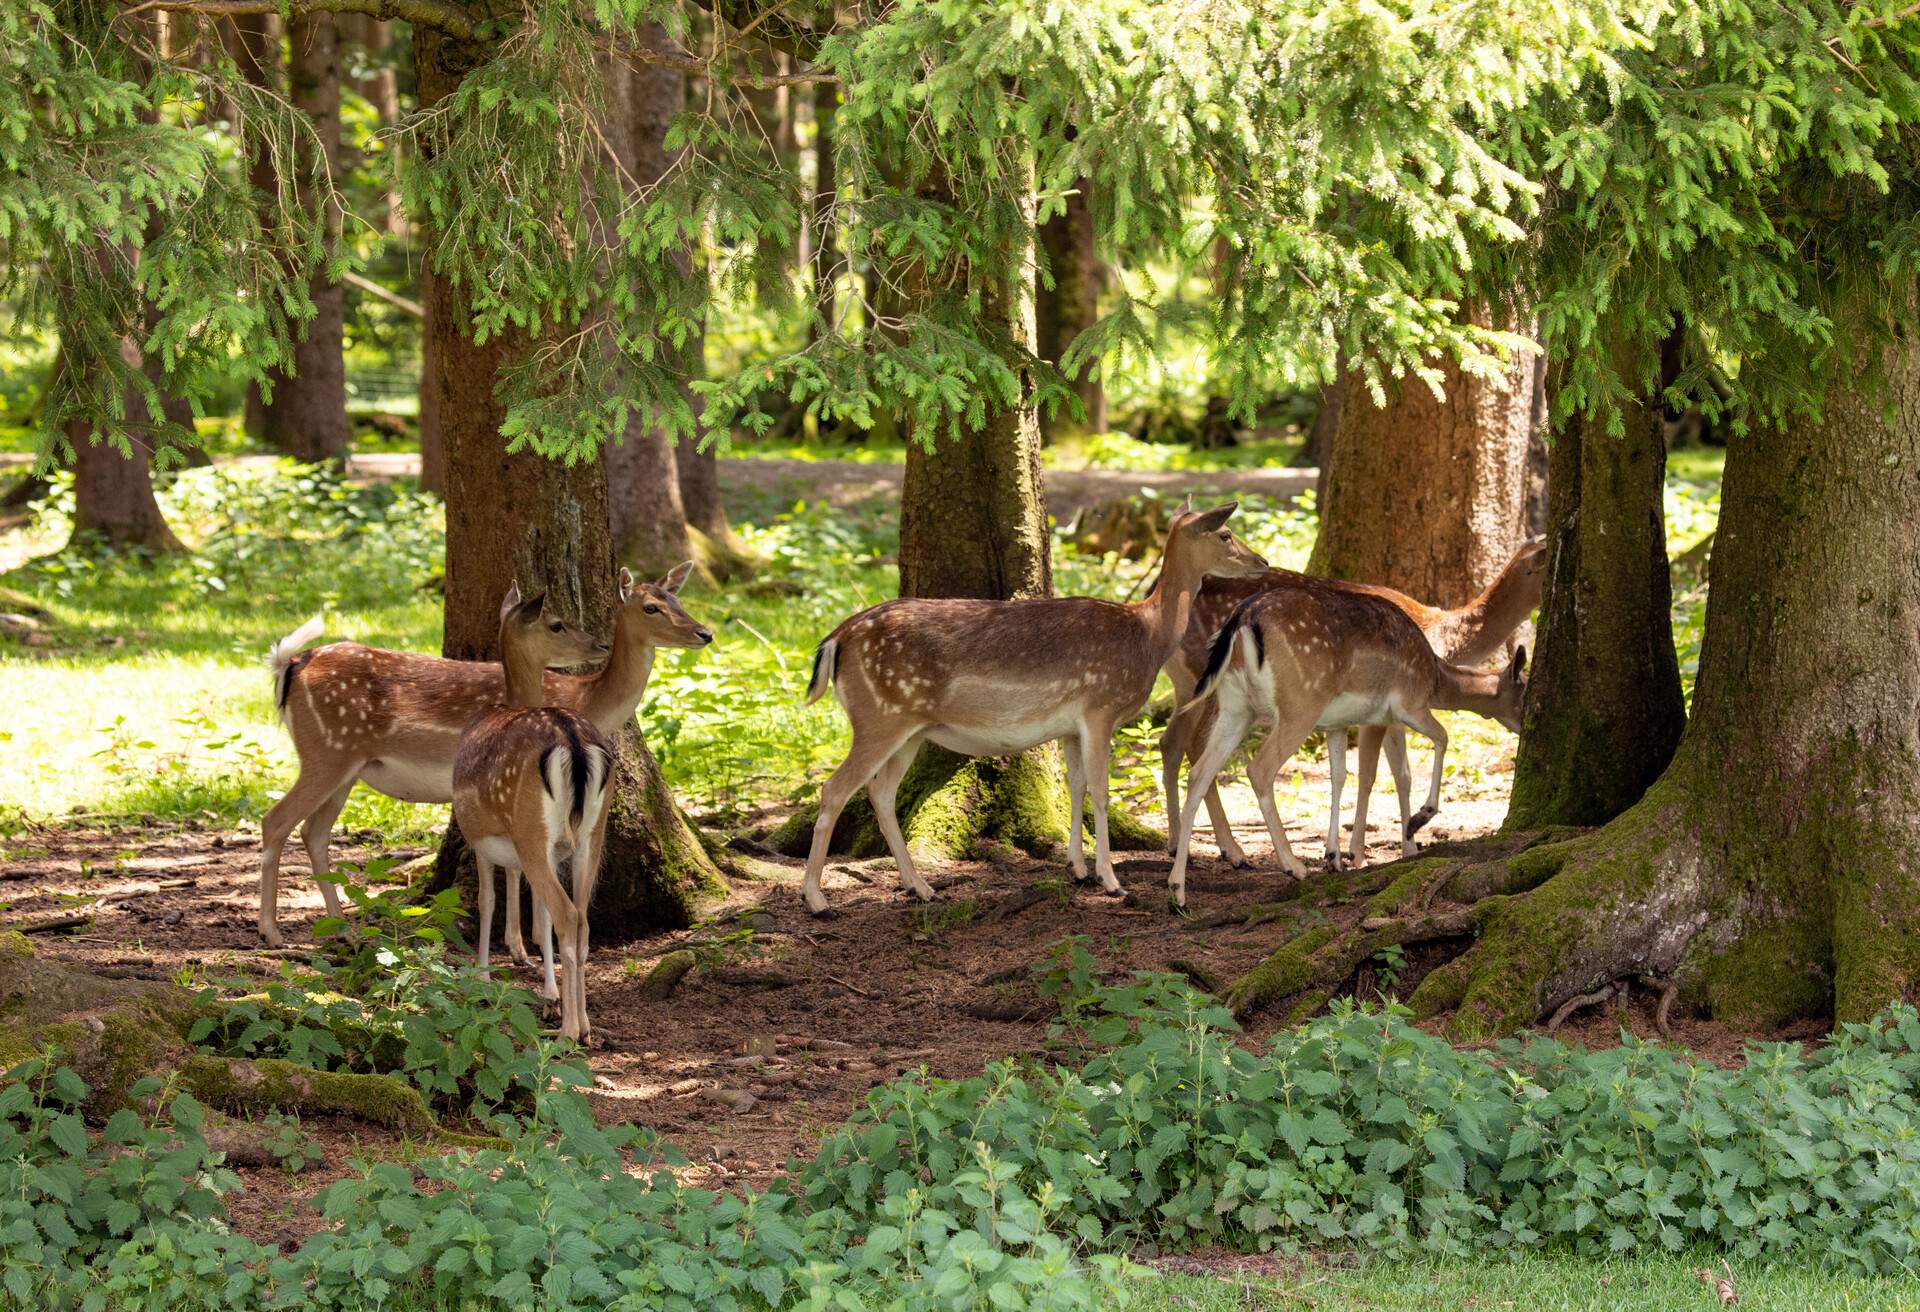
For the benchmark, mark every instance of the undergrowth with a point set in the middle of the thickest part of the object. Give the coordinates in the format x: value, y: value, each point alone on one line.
x: 1024, y: 1185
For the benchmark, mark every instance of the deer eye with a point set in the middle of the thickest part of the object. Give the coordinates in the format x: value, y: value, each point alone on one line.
x: 554, y: 627
x: 651, y: 609
x: 1226, y: 535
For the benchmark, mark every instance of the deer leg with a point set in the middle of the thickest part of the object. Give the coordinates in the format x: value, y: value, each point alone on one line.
x: 1173, y: 749
x: 316, y: 834
x: 1396, y: 747
x: 1337, y: 777
x: 881, y: 791
x: 868, y: 754
x: 543, y: 935
x: 1279, y: 748
x: 586, y: 873
x: 558, y: 910
x: 485, y: 873
x: 1199, y: 726
x: 311, y: 791
x: 1221, y: 738
x: 1096, y: 754
x: 1369, y: 737
x: 516, y: 943
x: 1430, y: 728
x: 1076, y: 803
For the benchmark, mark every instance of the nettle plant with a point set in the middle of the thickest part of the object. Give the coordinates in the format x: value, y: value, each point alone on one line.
x: 394, y: 1002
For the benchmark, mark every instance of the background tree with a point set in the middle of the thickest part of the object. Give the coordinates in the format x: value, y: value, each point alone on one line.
x: 1066, y: 304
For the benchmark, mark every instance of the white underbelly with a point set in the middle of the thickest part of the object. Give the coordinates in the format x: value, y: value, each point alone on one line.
x: 1349, y: 709
x: 1002, y: 739
x: 410, y: 781
x: 497, y: 851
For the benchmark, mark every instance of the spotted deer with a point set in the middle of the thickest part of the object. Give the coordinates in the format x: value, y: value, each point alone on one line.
x: 1467, y: 635
x: 530, y: 785
x: 990, y: 678
x: 392, y: 719
x: 1321, y: 655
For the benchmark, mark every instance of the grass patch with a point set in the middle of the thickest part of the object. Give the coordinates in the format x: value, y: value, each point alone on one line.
x: 1528, y: 1282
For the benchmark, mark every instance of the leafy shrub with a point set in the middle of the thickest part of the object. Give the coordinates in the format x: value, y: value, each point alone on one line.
x: 132, y: 1220
x: 1359, y: 1128
x: 394, y: 1003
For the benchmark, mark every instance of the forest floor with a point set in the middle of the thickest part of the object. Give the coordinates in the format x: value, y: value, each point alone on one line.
x: 780, y: 1033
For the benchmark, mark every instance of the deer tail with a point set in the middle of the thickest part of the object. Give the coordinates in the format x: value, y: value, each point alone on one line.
x: 281, y: 657
x: 825, y: 658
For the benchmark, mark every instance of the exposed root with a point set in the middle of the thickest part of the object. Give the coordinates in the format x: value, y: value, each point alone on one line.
x: 1669, y: 990
x: 1572, y: 1005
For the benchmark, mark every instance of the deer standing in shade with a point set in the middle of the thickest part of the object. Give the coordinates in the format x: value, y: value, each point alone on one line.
x: 530, y: 786
x: 1467, y: 635
x: 1325, y: 656
x: 991, y: 678
x: 392, y: 719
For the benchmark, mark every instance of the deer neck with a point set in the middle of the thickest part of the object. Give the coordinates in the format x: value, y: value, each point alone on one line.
x: 1476, y: 630
x: 526, y: 680
x: 613, y: 695
x: 1166, y: 609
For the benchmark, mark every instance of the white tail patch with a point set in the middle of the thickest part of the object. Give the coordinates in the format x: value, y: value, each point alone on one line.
x: 599, y: 774
x: 556, y: 809
x: 824, y: 661
x: 280, y: 659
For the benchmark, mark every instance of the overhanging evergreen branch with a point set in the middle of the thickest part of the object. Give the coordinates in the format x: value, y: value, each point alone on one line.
x: 440, y: 14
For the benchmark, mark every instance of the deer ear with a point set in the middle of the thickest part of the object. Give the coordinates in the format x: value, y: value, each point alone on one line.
x: 511, y: 600
x: 626, y: 584
x: 677, y: 577
x: 1216, y: 518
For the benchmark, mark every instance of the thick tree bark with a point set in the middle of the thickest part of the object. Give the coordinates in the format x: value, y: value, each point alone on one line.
x: 1067, y: 309
x: 1604, y: 707
x: 1773, y: 870
x: 649, y: 512
x: 254, y: 42
x: 1428, y: 495
x: 545, y: 524
x: 113, y: 494
x: 307, y: 415
x: 1317, y: 451
x: 433, y: 446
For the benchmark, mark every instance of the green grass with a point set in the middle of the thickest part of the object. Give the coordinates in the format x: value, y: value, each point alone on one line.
x: 1531, y: 1283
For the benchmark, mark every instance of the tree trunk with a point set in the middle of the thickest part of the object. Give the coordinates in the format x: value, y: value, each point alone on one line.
x: 649, y: 514
x: 1066, y: 310
x: 1604, y: 708
x: 382, y: 91
x: 433, y: 447
x: 254, y: 42
x: 1317, y: 451
x: 545, y: 524
x: 826, y: 227
x: 1771, y: 871
x: 307, y: 415
x: 1428, y: 495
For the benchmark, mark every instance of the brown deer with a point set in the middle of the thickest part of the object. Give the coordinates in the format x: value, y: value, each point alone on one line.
x: 1321, y: 655
x: 530, y: 786
x: 990, y: 678
x: 392, y: 720
x: 1468, y: 636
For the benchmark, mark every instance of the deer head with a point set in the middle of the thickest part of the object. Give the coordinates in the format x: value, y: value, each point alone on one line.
x: 1204, y: 545
x: 651, y: 612
x: 533, y: 637
x: 1511, y: 698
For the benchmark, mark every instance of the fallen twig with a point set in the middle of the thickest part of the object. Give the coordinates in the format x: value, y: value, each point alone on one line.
x: 1572, y: 1005
x: 57, y: 924
x: 847, y: 984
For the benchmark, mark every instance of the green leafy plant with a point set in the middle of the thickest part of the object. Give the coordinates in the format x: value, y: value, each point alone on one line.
x: 288, y: 1144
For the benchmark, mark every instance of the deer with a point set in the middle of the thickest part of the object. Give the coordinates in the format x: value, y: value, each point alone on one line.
x: 991, y: 678
x: 1467, y: 635
x: 1320, y: 655
x: 392, y: 720
x: 530, y: 788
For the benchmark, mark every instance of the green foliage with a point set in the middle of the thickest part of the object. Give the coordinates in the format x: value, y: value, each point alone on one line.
x: 1360, y: 1129
x: 395, y: 1003
x: 130, y: 1219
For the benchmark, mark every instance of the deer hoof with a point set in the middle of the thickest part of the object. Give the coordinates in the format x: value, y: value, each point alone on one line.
x: 271, y: 937
x: 825, y: 913
x: 1113, y: 892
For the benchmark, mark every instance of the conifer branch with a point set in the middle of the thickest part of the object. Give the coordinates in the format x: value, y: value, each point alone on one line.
x: 703, y: 68
x: 440, y: 14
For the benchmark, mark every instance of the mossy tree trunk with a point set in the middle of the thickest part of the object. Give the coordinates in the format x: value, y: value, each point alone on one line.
x: 545, y: 524
x: 1772, y: 872
x: 1604, y: 707
x: 1428, y: 494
